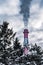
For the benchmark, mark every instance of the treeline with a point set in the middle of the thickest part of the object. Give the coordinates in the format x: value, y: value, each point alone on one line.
x: 11, y: 52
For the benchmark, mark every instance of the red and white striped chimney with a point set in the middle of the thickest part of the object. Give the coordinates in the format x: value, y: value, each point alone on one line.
x: 26, y: 41
x: 25, y: 37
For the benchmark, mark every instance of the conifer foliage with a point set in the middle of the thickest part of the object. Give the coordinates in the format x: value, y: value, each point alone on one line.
x: 5, y: 41
x: 13, y: 55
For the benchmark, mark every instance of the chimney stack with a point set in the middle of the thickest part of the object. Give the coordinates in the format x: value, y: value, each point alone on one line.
x: 26, y: 41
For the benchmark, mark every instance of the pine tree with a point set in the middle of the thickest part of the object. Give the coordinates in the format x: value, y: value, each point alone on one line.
x: 6, y: 36
x: 17, y: 44
x: 37, y: 55
x: 18, y: 47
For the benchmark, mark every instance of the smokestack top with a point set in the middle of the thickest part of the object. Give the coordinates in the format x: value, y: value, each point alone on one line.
x: 25, y: 31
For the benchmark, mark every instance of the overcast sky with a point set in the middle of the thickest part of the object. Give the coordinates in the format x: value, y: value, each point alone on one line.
x: 9, y: 11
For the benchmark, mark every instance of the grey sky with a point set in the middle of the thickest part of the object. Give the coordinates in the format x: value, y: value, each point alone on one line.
x: 9, y: 11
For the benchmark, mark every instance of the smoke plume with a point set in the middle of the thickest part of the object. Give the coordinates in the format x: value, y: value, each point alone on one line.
x: 25, y: 5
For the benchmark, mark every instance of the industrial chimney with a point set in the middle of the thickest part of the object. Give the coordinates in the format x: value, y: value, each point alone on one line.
x: 26, y: 41
x: 25, y: 37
